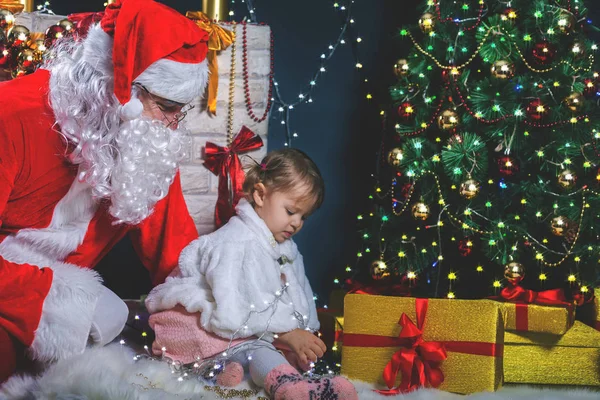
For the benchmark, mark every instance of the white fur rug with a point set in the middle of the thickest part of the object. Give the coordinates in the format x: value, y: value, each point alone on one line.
x: 109, y: 373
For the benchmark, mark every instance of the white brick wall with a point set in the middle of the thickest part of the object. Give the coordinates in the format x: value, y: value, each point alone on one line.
x: 199, y: 185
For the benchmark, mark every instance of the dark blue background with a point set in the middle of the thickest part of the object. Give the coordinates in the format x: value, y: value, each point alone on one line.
x: 339, y: 130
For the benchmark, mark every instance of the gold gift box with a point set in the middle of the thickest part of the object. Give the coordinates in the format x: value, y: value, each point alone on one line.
x: 332, y: 328
x: 540, y: 319
x: 478, y: 321
x: 597, y: 309
x: 571, y: 359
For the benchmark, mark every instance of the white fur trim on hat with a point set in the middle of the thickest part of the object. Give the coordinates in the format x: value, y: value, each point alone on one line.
x: 131, y: 110
x: 180, y: 82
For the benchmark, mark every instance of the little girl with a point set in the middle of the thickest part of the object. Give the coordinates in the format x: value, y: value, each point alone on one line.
x: 240, y: 294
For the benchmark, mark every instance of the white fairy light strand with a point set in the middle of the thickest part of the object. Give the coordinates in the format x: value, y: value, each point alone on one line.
x: 209, y: 368
x: 45, y: 8
x: 304, y: 97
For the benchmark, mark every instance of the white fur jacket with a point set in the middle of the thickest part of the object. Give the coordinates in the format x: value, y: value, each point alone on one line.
x: 232, y: 277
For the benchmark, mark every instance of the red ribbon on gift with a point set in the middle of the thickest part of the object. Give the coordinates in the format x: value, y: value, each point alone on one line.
x: 524, y: 297
x: 418, y: 361
x: 225, y: 163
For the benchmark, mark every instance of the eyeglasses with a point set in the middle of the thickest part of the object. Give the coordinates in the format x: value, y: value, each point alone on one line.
x: 164, y: 105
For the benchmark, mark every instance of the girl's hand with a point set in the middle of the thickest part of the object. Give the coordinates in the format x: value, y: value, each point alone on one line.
x: 307, y: 347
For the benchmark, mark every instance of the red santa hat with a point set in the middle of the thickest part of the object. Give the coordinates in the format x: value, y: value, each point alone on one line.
x: 159, y: 48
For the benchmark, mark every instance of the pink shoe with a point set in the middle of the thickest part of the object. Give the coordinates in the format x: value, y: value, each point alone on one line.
x: 232, y: 375
x: 285, y: 383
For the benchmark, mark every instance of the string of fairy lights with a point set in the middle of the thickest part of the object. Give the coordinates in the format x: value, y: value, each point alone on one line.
x: 347, y: 35
x: 454, y: 71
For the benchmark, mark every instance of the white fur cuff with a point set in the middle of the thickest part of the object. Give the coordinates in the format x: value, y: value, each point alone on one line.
x: 67, y: 313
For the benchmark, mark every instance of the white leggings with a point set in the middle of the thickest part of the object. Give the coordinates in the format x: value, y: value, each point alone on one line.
x: 259, y: 358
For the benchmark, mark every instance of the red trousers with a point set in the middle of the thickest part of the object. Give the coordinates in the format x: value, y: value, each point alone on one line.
x: 10, y: 350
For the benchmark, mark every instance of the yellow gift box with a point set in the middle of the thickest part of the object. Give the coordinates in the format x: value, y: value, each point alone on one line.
x: 538, y: 318
x: 332, y: 328
x: 571, y: 359
x: 472, y: 332
x: 597, y: 309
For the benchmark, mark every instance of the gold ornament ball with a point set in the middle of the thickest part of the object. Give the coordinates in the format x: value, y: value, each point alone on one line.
x: 448, y: 120
x: 7, y: 19
x: 469, y: 189
x: 427, y: 22
x: 420, y: 211
x: 15, y: 73
x: 26, y: 60
x: 559, y: 225
x: 379, y: 270
x: 18, y: 36
x: 567, y: 179
x: 39, y: 47
x: 503, y: 69
x: 395, y: 157
x: 514, y: 272
x: 575, y: 102
x: 67, y: 25
x: 566, y: 22
x: 401, y: 68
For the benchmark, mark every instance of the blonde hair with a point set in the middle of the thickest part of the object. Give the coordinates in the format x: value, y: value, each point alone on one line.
x: 282, y: 170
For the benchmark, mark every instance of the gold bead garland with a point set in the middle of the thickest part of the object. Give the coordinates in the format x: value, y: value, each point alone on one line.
x: 230, y: 110
x: 485, y: 37
x: 439, y: 64
x: 406, y: 202
x: 483, y: 232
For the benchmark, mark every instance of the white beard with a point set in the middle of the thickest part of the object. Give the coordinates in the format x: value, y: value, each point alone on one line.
x: 145, y: 157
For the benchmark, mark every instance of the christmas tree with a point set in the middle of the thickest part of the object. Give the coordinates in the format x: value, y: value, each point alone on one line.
x: 488, y: 173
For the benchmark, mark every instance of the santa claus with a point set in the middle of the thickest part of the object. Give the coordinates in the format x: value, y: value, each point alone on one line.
x: 89, y: 150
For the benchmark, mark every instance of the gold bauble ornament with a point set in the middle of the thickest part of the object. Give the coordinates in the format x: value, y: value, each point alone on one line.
x: 15, y: 73
x: 395, y: 157
x: 7, y: 19
x: 18, y: 36
x: 574, y: 101
x: 448, y: 120
x: 26, y: 60
x: 401, y: 68
x: 420, y: 211
x: 427, y: 22
x: 67, y: 25
x: 469, y: 189
x: 503, y: 69
x: 566, y: 22
x: 39, y: 48
x: 514, y: 272
x: 567, y: 179
x: 379, y: 270
x: 559, y: 225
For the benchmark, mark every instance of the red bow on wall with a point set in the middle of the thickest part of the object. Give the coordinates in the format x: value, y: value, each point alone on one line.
x: 225, y: 163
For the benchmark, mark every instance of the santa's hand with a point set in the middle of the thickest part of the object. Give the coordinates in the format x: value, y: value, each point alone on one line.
x: 109, y: 317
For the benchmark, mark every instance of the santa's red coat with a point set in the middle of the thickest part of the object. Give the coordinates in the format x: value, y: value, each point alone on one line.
x: 52, y: 232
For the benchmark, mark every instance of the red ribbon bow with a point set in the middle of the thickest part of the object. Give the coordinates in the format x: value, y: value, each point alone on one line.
x: 418, y: 361
x: 225, y: 163
x: 516, y: 294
